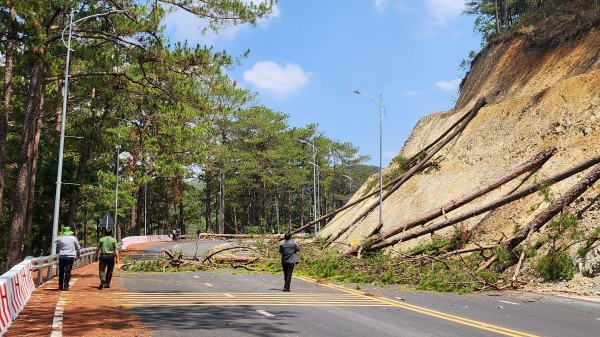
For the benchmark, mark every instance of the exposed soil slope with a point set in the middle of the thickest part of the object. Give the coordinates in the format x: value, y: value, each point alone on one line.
x: 541, y: 85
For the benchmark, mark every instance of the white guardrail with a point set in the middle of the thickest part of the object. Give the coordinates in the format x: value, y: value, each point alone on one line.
x: 17, y: 284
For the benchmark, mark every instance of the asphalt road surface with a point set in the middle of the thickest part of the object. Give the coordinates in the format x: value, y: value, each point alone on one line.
x: 235, y: 303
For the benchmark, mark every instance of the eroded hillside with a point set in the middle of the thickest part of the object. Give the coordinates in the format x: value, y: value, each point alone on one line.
x: 541, y: 87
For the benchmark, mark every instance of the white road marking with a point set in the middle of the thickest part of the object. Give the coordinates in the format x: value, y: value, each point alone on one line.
x: 196, y: 276
x: 57, y: 321
x: 262, y: 312
x: 513, y: 303
x: 208, y: 284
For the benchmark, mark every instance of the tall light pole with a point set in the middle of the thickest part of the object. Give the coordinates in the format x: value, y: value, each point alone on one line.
x: 350, y: 182
x: 381, y: 108
x: 314, y: 155
x: 118, y: 147
x: 64, y: 118
x: 317, y: 195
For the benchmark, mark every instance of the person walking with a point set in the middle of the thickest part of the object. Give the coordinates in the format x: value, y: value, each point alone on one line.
x: 289, y: 259
x: 108, y: 255
x: 68, y: 250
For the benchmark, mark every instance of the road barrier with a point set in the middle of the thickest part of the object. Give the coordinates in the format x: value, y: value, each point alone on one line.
x: 142, y: 239
x: 5, y: 316
x: 17, y: 284
x: 47, y: 263
x: 16, y: 287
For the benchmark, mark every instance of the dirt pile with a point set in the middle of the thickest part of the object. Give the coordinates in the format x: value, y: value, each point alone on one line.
x: 541, y: 85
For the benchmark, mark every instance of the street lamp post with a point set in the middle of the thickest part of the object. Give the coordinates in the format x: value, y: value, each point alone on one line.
x: 314, y: 155
x: 64, y: 117
x: 349, y: 181
x: 381, y: 108
x: 118, y: 147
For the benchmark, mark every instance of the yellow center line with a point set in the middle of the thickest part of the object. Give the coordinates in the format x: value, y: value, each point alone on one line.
x: 426, y: 311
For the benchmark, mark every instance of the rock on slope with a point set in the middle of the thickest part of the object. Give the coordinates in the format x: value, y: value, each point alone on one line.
x: 542, y: 88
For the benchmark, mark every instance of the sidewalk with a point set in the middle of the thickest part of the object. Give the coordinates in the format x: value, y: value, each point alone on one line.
x: 82, y: 311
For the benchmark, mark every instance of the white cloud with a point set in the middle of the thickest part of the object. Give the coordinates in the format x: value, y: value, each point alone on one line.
x: 444, y: 10
x: 451, y: 85
x: 280, y: 81
x: 380, y: 5
x: 182, y: 25
x: 398, y: 5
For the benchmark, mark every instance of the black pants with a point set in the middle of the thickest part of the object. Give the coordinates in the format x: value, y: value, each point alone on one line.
x: 65, y: 265
x: 288, y: 269
x: 106, y: 266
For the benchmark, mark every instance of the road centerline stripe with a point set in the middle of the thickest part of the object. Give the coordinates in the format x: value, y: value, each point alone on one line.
x: 264, y: 313
x: 429, y: 312
x: 507, y: 302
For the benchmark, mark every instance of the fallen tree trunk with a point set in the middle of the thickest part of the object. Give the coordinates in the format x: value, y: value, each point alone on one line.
x: 340, y: 233
x: 513, y: 280
x: 529, y: 165
x: 469, y: 116
x: 236, y: 258
x: 423, y: 151
x: 550, y: 212
x: 348, y: 205
x: 378, y: 243
x: 583, y: 185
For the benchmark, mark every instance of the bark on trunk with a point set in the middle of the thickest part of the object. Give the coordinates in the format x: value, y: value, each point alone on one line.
x: 207, y: 182
x: 34, y: 166
x: 498, y: 23
x: 136, y: 229
x: 181, y: 216
x: 221, y: 204
x: 20, y: 199
x: 8, y: 91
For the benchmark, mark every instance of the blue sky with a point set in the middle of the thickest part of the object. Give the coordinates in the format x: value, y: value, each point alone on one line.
x: 309, y: 54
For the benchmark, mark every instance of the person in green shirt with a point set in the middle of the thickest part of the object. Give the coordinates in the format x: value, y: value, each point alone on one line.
x: 108, y: 255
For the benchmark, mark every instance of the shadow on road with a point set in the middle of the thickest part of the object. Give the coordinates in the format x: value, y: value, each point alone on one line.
x: 242, y: 319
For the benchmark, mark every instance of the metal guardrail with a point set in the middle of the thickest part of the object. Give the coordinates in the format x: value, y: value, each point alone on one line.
x: 44, y: 265
x: 223, y: 236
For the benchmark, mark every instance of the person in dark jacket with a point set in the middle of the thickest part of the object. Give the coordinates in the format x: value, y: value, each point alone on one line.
x: 289, y: 259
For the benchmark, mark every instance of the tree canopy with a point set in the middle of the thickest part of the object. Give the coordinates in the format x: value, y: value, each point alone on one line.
x: 187, y: 146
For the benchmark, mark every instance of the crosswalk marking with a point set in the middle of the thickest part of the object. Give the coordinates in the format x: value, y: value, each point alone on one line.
x: 248, y: 299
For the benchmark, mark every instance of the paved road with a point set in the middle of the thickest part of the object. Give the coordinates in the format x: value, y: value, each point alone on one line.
x: 189, y: 248
x: 233, y: 303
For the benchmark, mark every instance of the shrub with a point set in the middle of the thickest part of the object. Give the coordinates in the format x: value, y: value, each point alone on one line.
x: 556, y: 266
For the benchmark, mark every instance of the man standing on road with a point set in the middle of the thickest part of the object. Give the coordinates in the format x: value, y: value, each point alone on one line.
x: 109, y: 255
x: 68, y: 250
x: 289, y: 259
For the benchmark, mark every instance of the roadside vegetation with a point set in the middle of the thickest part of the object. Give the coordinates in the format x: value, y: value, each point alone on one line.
x: 428, y: 266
